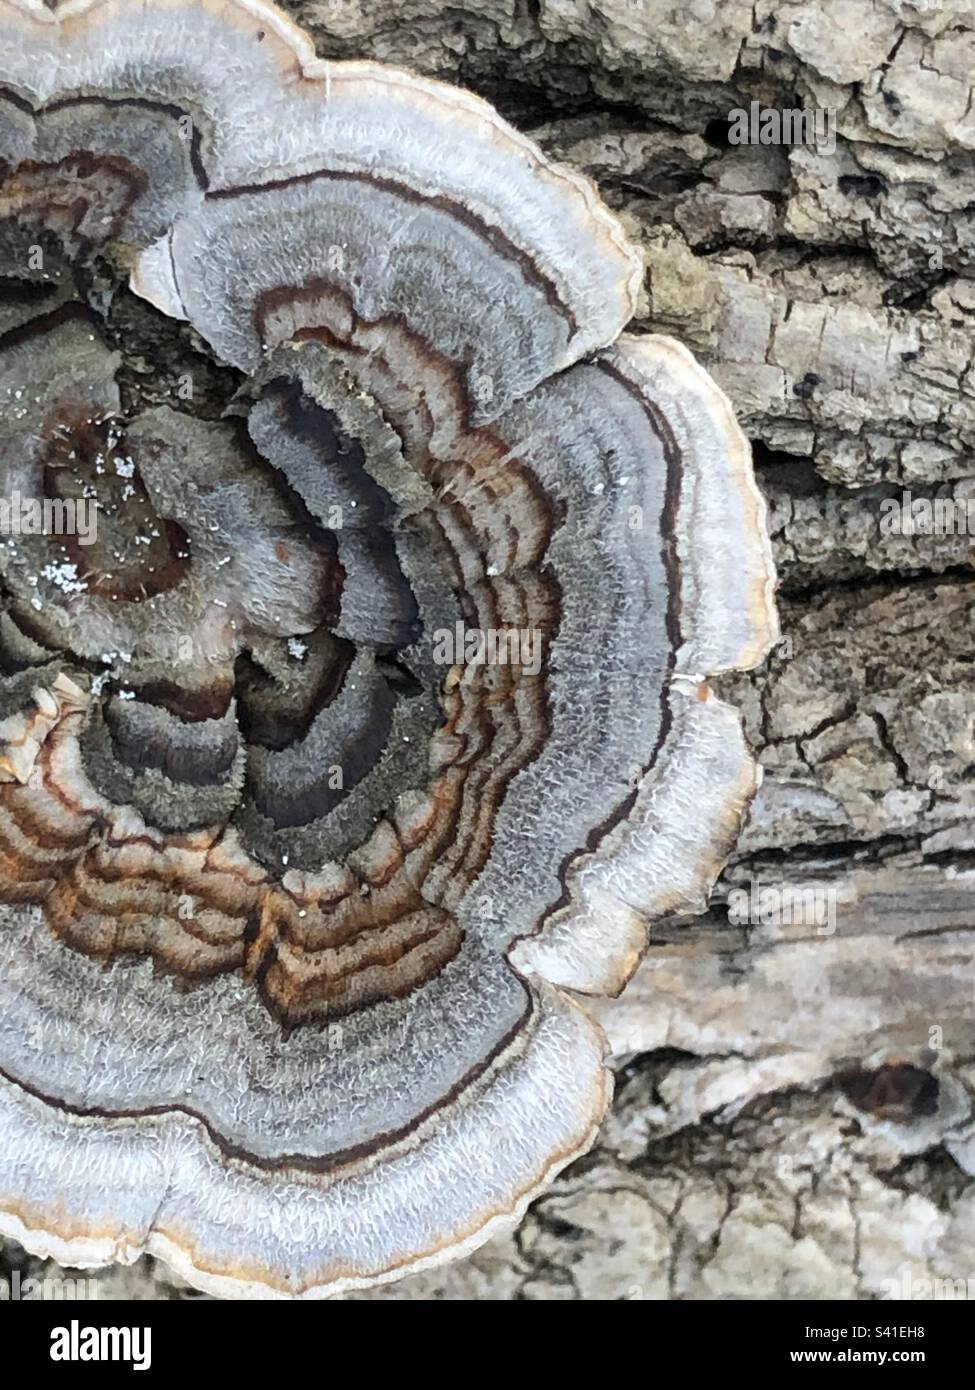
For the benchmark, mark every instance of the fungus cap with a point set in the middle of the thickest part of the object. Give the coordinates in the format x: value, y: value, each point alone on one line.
x: 372, y: 729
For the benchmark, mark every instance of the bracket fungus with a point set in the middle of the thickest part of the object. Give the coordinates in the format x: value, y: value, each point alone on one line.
x: 368, y: 729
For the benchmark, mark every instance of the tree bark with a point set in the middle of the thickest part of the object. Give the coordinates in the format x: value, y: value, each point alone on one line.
x: 793, y: 1114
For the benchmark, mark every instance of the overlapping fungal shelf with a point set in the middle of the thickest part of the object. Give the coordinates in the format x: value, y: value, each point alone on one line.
x: 291, y: 907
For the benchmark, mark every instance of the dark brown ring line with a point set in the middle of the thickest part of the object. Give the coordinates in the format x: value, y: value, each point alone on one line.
x: 493, y: 235
x: 519, y: 1033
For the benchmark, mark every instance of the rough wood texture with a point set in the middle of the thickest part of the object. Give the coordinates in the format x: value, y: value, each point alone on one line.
x: 793, y: 1114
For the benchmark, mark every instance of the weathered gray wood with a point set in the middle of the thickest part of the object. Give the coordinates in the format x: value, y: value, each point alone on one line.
x: 778, y: 1131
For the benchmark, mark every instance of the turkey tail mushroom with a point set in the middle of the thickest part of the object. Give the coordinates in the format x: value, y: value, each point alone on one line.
x: 370, y: 717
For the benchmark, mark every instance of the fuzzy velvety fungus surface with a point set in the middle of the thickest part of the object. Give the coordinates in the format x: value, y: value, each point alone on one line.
x: 365, y: 720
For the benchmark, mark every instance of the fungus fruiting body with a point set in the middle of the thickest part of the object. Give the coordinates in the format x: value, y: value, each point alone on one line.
x: 354, y: 730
